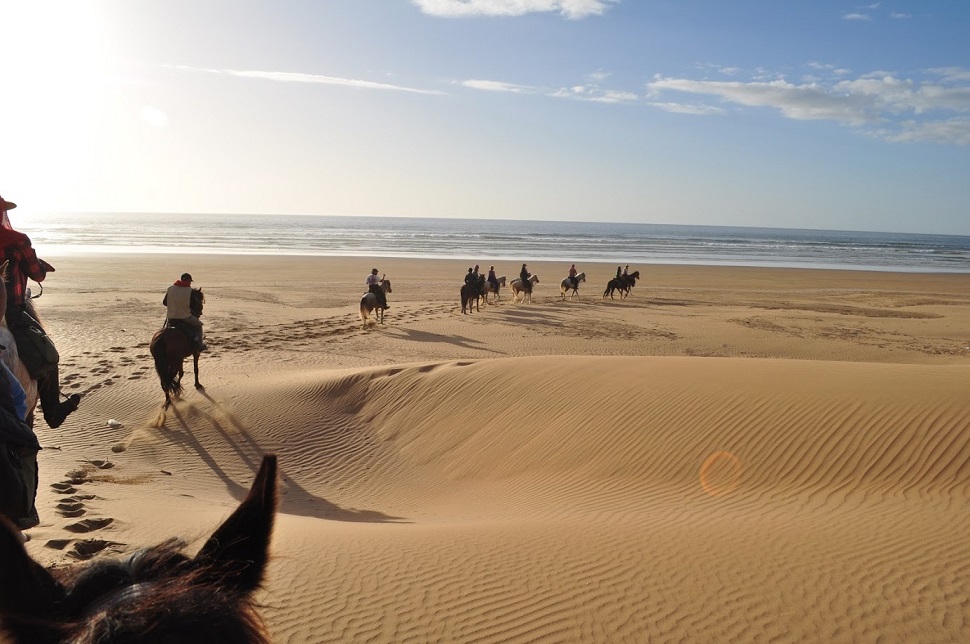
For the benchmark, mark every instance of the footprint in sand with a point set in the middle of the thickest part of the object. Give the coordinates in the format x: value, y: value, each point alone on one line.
x: 89, y: 547
x: 89, y: 525
x: 70, y: 508
x: 63, y: 488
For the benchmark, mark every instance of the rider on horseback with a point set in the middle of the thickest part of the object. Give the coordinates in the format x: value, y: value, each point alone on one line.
x: 492, y: 279
x: 524, y: 276
x: 22, y: 261
x: 178, y: 299
x: 375, y: 285
x: 572, y: 276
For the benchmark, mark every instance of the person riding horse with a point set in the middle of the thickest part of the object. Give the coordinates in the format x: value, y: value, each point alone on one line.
x: 572, y: 277
x: 178, y: 299
x: 492, y: 279
x: 524, y: 276
x: 23, y: 263
x: 374, y: 284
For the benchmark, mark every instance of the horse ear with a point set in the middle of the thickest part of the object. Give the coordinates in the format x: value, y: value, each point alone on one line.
x: 236, y: 553
x: 27, y: 589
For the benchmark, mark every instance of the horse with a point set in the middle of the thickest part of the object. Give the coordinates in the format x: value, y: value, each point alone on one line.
x: 623, y: 284
x: 368, y: 303
x: 170, y: 346
x: 155, y: 595
x: 567, y: 285
x: 516, y: 287
x: 469, y: 296
x: 488, y: 289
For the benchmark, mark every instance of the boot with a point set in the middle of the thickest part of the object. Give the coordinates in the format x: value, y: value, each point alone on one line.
x: 55, y: 417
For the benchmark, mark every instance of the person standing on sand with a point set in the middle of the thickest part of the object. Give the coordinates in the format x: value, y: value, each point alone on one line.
x: 178, y: 299
x: 22, y: 263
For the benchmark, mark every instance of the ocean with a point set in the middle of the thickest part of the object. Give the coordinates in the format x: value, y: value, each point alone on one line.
x: 494, y: 239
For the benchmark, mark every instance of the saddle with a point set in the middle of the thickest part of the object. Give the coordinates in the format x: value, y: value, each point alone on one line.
x: 185, y: 328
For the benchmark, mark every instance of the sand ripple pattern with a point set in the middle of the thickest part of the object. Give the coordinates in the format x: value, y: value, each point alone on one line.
x: 627, y: 500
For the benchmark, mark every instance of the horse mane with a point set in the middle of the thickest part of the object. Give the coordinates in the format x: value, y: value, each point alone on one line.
x: 196, y: 302
x: 156, y: 595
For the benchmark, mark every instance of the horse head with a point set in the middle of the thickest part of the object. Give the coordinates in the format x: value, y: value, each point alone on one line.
x: 196, y: 302
x: 156, y: 595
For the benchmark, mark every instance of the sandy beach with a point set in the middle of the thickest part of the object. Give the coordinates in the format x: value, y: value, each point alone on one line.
x: 728, y: 454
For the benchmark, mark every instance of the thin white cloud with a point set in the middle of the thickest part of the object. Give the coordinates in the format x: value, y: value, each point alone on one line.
x: 572, y: 9
x: 949, y: 131
x: 592, y: 92
x: 856, y: 16
x: 498, y: 86
x: 896, y: 15
x: 299, y: 77
x: 892, y: 108
x: 689, y: 108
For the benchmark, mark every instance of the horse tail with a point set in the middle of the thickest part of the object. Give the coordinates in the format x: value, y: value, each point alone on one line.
x: 167, y: 374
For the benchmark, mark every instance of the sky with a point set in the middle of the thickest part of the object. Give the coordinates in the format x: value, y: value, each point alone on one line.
x: 782, y: 113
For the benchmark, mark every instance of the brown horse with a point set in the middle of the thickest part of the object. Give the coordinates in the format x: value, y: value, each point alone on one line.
x: 170, y: 347
x: 471, y: 294
x: 156, y: 595
x: 623, y: 284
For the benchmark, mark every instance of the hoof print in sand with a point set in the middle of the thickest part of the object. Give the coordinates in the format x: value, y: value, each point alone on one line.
x: 89, y: 525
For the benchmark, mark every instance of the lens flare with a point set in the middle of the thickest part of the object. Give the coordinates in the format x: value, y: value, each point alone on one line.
x: 720, y: 474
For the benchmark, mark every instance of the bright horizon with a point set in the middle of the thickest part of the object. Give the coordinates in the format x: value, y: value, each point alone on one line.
x: 828, y: 115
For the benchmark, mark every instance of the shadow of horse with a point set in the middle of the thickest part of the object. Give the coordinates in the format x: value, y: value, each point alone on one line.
x: 157, y: 594
x: 171, y: 346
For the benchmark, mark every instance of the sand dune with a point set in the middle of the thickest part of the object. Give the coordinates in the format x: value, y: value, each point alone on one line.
x: 541, y: 474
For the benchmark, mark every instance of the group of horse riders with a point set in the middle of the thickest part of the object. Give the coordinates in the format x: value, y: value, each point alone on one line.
x: 475, y: 281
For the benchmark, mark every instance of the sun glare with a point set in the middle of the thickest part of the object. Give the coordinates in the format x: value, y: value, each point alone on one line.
x: 54, y: 68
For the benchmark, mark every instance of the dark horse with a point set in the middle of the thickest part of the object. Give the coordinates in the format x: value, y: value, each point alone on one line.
x: 471, y: 293
x: 171, y: 346
x: 623, y: 284
x: 156, y: 595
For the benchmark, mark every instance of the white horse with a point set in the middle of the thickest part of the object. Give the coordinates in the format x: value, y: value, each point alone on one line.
x: 488, y: 289
x: 567, y: 285
x: 368, y: 303
x: 516, y: 288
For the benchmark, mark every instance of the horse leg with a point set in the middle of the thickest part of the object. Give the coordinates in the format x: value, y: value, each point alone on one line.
x: 195, y: 366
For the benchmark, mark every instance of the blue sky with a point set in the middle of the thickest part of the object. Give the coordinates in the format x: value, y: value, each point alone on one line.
x: 814, y: 114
